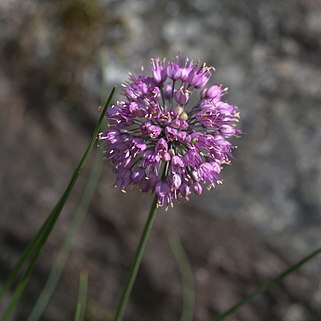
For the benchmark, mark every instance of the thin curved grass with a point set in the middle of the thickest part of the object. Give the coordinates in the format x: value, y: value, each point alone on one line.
x: 267, y: 285
x: 73, y: 229
x: 186, y: 274
x: 82, y: 297
x: 31, y: 254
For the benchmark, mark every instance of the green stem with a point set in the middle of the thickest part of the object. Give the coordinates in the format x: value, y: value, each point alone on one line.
x: 82, y: 297
x: 267, y: 285
x: 35, y: 247
x: 63, y: 253
x: 188, y: 306
x: 138, y: 257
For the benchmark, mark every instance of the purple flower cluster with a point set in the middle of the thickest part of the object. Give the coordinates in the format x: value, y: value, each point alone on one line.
x: 165, y: 141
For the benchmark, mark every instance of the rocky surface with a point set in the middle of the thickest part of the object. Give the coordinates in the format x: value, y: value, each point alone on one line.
x: 264, y: 217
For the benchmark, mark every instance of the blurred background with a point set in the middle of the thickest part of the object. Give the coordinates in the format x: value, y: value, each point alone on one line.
x: 266, y: 215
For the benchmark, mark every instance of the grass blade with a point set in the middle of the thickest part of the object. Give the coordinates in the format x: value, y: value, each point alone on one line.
x: 14, y: 272
x: 34, y: 248
x: 267, y: 285
x: 82, y: 298
x: 14, y: 300
x: 63, y: 254
x: 188, y: 305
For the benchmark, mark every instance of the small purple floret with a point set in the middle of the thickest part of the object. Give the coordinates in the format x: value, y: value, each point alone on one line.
x: 181, y: 96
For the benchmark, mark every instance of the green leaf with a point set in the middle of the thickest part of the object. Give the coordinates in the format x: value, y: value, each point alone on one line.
x: 73, y: 229
x: 267, y: 285
x: 63, y: 253
x: 31, y: 254
x: 82, y: 298
x: 188, y: 306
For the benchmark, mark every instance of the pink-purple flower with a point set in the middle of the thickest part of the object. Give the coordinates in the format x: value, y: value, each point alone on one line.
x: 162, y: 140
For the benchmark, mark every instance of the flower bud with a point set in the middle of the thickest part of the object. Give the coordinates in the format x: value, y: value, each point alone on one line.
x: 184, y: 190
x: 197, y: 188
x: 138, y: 174
x: 178, y: 109
x: 168, y: 91
x: 181, y: 96
x: 183, y: 116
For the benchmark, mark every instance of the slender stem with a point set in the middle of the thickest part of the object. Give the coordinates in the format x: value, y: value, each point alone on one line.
x: 267, y: 285
x: 173, y: 88
x: 138, y: 257
x: 63, y: 254
x: 183, y: 264
x: 82, y: 297
x: 163, y: 98
x: 35, y: 247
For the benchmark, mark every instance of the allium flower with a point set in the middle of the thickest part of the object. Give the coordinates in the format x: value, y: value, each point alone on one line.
x: 163, y: 140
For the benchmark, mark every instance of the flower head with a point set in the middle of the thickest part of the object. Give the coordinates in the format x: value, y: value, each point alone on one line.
x: 162, y: 140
